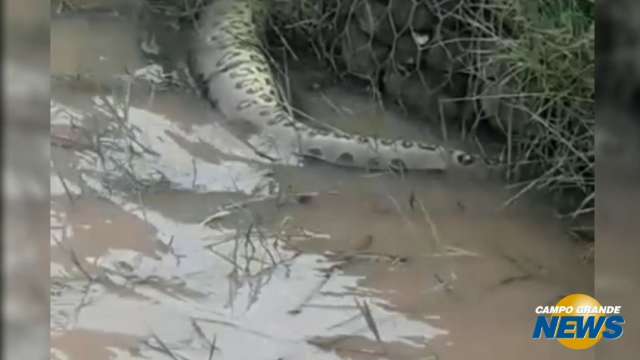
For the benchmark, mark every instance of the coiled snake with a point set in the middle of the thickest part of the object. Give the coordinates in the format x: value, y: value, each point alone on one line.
x: 229, y: 61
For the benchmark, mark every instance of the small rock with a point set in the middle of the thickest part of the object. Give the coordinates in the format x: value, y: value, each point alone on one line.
x: 362, y: 243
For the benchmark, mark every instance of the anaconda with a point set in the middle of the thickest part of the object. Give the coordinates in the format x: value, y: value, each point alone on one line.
x: 229, y: 60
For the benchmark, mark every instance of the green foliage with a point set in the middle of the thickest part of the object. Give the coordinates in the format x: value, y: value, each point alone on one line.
x: 549, y: 53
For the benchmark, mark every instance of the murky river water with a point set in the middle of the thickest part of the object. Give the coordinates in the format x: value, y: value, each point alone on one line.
x: 193, y: 243
x: 617, y: 246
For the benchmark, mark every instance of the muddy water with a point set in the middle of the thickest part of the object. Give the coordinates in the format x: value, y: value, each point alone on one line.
x: 195, y: 243
x: 617, y: 225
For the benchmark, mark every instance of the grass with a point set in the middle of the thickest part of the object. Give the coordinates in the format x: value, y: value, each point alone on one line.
x: 545, y: 52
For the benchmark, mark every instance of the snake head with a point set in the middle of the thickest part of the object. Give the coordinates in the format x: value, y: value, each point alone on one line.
x: 475, y: 166
x: 462, y: 159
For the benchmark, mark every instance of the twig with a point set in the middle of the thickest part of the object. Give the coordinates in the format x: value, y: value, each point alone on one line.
x: 195, y: 174
x: 312, y: 293
x: 76, y: 262
x: 66, y: 188
x: 366, y: 312
x: 213, y: 347
x: 164, y: 347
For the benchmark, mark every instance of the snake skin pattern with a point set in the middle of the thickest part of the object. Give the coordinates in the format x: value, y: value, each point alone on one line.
x: 229, y: 60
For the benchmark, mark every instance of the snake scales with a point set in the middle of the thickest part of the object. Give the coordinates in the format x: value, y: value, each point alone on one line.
x: 229, y: 61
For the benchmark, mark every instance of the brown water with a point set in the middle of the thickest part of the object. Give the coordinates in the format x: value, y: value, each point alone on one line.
x: 617, y: 248
x: 446, y: 271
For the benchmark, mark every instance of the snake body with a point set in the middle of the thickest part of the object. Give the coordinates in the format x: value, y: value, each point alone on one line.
x: 229, y: 60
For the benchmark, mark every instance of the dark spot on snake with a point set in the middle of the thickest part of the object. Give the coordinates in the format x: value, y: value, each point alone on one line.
x: 244, y: 104
x: 314, y: 152
x: 264, y: 113
x: 386, y: 142
x: 253, y: 91
x: 407, y: 144
x: 244, y: 83
x: 227, y: 57
x: 236, y: 74
x: 236, y: 24
x: 266, y: 98
x: 427, y: 147
x: 345, y: 158
x: 363, y: 139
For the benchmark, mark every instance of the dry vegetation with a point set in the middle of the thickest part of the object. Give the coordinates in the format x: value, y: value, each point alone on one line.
x: 527, y: 66
x: 546, y: 52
